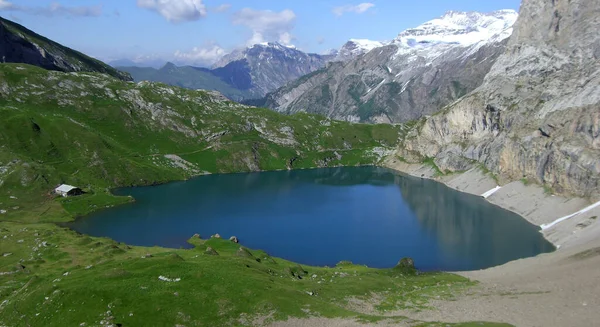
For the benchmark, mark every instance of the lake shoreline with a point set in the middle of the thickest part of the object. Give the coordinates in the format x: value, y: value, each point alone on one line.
x: 530, y: 291
x: 529, y: 201
x: 430, y: 235
x: 534, y: 285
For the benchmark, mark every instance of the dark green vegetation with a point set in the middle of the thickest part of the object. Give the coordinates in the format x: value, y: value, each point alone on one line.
x: 19, y: 44
x: 97, y: 132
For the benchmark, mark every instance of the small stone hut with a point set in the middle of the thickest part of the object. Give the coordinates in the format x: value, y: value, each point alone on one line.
x: 68, y: 190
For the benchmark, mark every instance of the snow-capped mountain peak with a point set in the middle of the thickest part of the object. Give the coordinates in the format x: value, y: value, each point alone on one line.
x: 461, y: 28
x: 454, y: 28
x: 272, y: 45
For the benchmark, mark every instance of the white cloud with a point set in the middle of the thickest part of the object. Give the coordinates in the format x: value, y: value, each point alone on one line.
x: 286, y: 38
x: 54, y: 9
x: 358, y: 9
x: 222, y: 8
x: 267, y: 25
x: 202, y: 56
x: 175, y: 10
x: 5, y: 5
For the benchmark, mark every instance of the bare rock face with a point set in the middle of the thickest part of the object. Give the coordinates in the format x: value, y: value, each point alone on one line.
x: 537, y: 113
x: 20, y: 45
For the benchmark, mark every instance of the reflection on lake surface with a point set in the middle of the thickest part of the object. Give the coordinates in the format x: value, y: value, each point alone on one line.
x: 367, y: 215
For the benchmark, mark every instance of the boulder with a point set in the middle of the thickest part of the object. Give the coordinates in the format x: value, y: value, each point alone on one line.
x: 234, y: 239
x: 406, y: 265
x: 196, y: 235
x: 245, y: 253
x: 216, y: 236
x: 296, y: 271
x: 210, y: 251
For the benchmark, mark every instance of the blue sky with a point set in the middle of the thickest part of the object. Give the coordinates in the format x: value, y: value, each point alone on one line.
x: 200, y: 31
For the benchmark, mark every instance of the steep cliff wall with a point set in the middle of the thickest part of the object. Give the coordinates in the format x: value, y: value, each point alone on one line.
x: 537, y: 113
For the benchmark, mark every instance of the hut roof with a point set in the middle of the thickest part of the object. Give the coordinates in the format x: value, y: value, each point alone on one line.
x: 65, y: 188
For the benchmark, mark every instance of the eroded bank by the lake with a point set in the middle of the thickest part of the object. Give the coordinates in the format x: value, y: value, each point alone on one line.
x: 531, y: 201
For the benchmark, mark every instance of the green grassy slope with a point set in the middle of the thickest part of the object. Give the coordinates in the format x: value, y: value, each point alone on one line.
x: 70, y: 279
x: 20, y: 36
x: 98, y: 132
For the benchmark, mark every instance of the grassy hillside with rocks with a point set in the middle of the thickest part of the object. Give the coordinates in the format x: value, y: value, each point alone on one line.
x: 98, y: 133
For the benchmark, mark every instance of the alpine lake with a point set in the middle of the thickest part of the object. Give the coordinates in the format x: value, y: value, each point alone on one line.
x: 367, y: 215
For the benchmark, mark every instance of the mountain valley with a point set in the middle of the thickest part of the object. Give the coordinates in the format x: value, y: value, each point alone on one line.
x: 502, y: 107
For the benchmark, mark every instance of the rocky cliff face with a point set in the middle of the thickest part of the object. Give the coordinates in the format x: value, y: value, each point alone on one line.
x: 416, y: 74
x: 20, y: 45
x: 537, y: 114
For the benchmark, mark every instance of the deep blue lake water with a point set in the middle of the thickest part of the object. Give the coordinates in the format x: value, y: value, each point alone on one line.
x: 366, y: 215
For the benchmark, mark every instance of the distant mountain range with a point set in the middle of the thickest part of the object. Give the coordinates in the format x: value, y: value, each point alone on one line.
x: 417, y: 73
x: 243, y: 74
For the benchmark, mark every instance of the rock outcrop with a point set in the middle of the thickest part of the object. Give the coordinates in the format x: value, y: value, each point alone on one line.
x: 537, y: 113
x: 20, y: 45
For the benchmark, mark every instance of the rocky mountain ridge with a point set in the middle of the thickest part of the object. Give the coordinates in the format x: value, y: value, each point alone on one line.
x: 20, y: 45
x: 416, y: 74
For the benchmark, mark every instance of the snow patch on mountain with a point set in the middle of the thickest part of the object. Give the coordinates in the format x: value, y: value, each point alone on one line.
x: 462, y: 29
x: 431, y: 39
x: 356, y: 47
